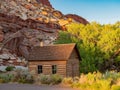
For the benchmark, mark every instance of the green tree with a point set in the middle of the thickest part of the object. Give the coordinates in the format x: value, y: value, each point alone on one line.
x: 99, y: 45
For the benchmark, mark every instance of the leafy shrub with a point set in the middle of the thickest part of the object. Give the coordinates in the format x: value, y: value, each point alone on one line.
x: 111, y: 74
x: 50, y: 79
x: 5, y: 78
x: 103, y: 84
x: 76, y: 85
x: 9, y: 68
x: 67, y: 81
x: 23, y: 76
x: 1, y: 80
x: 56, y: 79
x: 45, y: 79
x: 115, y: 87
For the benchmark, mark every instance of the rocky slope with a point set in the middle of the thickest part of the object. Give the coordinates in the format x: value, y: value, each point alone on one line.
x: 45, y: 2
x: 77, y: 18
x: 24, y: 23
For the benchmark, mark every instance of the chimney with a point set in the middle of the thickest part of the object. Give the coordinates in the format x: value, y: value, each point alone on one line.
x: 41, y: 43
x: 29, y: 0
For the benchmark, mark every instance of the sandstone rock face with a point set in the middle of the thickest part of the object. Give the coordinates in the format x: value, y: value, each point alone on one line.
x: 73, y: 16
x: 45, y: 2
x: 22, y: 35
x: 77, y: 18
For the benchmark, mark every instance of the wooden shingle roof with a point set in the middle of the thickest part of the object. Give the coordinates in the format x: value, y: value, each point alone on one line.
x: 52, y: 52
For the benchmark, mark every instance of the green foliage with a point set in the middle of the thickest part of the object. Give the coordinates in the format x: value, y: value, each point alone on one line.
x: 64, y: 37
x: 50, y: 79
x: 10, y: 68
x: 96, y: 44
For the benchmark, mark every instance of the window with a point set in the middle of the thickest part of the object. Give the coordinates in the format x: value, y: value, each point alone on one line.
x: 40, y: 69
x: 54, y: 69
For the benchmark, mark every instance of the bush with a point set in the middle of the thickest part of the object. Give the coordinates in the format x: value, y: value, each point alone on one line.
x: 1, y: 80
x: 23, y: 76
x: 95, y: 81
x: 67, y: 81
x: 5, y: 78
x: 10, y: 68
x: 56, y: 79
x: 115, y: 87
x: 50, y: 79
x: 45, y: 79
x: 111, y: 74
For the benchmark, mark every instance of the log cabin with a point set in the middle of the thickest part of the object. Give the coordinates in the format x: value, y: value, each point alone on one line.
x: 62, y: 59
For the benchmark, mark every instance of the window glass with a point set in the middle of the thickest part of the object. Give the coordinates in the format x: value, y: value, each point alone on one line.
x: 54, y: 69
x: 40, y: 69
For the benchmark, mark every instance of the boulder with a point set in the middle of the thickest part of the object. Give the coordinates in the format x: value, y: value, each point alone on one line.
x: 10, y: 61
x: 2, y: 68
x: 4, y: 56
x: 19, y: 59
x: 57, y: 14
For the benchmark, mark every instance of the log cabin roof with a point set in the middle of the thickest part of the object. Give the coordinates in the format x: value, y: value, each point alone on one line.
x: 52, y: 52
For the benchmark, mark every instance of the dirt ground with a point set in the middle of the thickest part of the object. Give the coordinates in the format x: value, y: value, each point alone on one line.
x: 32, y: 87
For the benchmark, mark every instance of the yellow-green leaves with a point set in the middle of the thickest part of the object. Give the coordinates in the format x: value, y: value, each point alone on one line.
x: 96, y: 43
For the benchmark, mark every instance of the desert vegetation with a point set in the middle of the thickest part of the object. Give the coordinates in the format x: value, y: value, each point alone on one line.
x: 17, y: 75
x: 24, y: 76
x: 49, y: 79
x: 110, y: 80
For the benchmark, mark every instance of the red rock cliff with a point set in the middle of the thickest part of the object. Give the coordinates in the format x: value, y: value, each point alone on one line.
x: 77, y: 18
x: 73, y: 16
x: 45, y: 2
